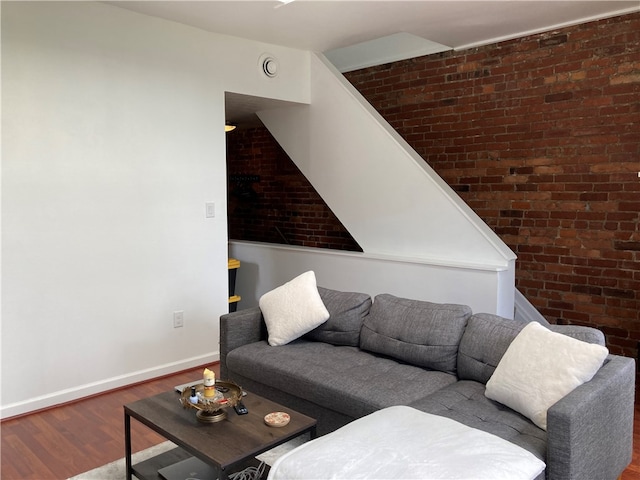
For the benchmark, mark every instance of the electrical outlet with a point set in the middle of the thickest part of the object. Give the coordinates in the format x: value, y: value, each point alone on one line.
x: 178, y: 319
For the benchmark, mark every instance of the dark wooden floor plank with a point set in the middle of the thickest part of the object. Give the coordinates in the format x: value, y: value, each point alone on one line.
x: 25, y: 462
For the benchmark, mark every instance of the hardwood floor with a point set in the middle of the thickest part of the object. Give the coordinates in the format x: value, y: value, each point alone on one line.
x: 65, y: 441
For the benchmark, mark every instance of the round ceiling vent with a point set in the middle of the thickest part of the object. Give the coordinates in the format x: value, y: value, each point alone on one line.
x: 269, y: 65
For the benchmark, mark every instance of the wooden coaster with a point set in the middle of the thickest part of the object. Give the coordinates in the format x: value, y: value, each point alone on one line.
x: 277, y: 419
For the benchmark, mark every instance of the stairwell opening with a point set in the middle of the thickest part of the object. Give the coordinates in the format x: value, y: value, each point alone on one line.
x: 269, y: 199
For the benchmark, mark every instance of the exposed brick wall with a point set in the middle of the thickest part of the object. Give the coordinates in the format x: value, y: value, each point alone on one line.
x: 541, y: 137
x: 282, y: 207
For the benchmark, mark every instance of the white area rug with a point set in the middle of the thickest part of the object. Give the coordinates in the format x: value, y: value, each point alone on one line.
x: 116, y: 470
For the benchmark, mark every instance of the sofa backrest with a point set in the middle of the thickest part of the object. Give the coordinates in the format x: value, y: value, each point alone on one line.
x: 347, y: 311
x: 421, y: 333
x: 488, y: 336
x: 483, y: 344
x: 586, y: 334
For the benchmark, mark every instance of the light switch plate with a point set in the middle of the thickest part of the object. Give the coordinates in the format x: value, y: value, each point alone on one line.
x: 210, y: 209
x: 178, y: 319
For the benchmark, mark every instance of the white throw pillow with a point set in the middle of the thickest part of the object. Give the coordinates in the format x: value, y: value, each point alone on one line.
x: 539, y: 368
x: 293, y: 309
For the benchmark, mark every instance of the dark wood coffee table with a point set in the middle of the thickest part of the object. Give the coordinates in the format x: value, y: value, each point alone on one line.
x: 228, y: 445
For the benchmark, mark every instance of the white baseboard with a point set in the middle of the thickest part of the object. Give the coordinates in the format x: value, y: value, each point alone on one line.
x: 87, y: 390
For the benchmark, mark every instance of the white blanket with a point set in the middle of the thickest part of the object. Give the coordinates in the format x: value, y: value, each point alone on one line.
x: 404, y: 443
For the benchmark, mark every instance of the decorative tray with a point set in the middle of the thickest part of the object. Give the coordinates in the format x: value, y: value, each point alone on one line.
x: 212, y: 409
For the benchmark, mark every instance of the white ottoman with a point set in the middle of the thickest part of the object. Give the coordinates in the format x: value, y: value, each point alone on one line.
x: 404, y: 443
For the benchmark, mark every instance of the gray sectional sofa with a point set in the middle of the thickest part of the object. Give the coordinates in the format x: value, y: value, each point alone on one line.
x: 436, y: 358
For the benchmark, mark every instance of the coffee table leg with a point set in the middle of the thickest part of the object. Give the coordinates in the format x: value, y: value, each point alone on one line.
x: 127, y: 444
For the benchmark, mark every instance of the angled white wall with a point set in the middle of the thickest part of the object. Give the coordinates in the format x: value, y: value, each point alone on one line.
x: 390, y: 200
x: 112, y: 142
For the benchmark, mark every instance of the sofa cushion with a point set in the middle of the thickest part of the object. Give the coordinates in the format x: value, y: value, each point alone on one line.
x: 293, y: 309
x: 341, y: 378
x: 417, y: 332
x: 539, y: 368
x: 465, y: 402
x: 347, y: 311
x: 483, y: 344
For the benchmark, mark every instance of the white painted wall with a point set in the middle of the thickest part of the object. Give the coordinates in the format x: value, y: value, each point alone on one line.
x: 391, y: 201
x: 384, y: 193
x: 112, y: 142
x: 266, y: 266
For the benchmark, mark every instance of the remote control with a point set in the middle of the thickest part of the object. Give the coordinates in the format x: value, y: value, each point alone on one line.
x: 241, y: 409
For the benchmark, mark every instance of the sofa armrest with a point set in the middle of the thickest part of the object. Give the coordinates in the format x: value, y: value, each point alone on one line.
x: 590, y: 431
x: 237, y: 329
